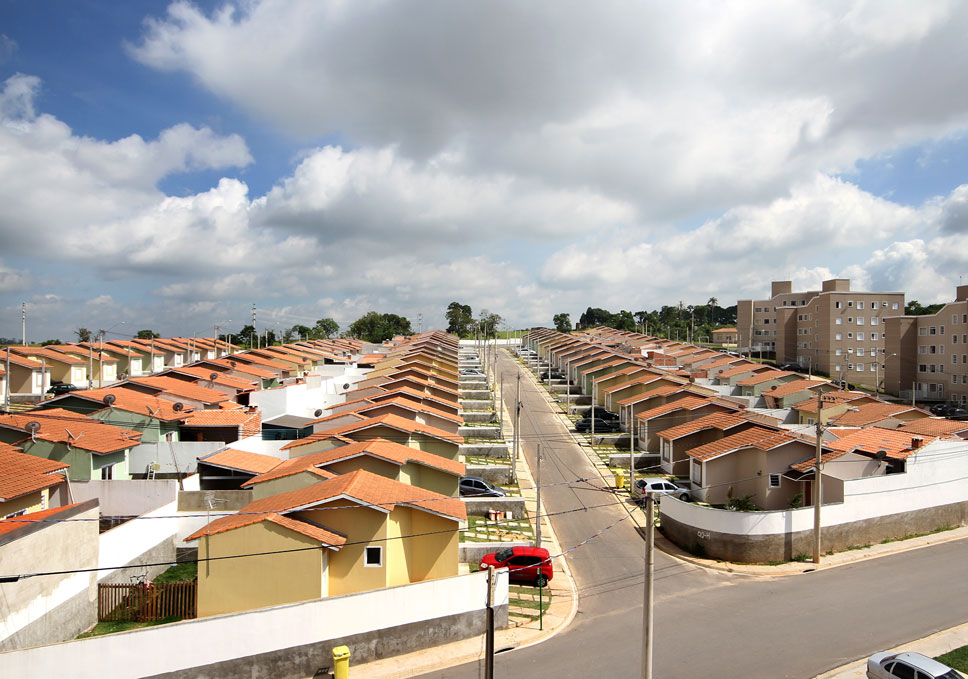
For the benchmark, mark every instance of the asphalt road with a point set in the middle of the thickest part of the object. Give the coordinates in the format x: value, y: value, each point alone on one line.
x: 709, y: 623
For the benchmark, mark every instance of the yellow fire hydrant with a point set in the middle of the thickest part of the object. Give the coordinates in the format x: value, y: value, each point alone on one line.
x: 620, y: 479
x: 341, y: 662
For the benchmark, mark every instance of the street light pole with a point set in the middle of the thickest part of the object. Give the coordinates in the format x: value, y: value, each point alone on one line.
x: 816, y: 482
x: 537, y: 518
x: 647, y: 618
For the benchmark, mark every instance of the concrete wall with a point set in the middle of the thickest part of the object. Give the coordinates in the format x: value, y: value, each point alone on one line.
x: 281, y: 642
x: 159, y: 452
x: 126, y: 498
x: 148, y: 539
x: 48, y: 609
x: 931, y: 494
x: 304, y: 399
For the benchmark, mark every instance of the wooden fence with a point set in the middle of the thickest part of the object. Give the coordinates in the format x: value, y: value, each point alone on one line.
x: 146, y: 602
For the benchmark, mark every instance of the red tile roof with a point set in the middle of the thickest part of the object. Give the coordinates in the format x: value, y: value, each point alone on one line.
x: 392, y: 421
x: 179, y: 388
x: 897, y: 445
x: 21, y: 474
x: 869, y: 413
x: 686, y: 403
x: 73, y: 429
x: 359, y: 488
x: 934, y: 426
x: 7, y: 525
x: 740, y: 369
x: 400, y: 401
x: 794, y: 387
x: 764, y: 376
x: 721, y: 421
x: 128, y: 400
x: 754, y: 437
x: 380, y: 448
x: 241, y: 460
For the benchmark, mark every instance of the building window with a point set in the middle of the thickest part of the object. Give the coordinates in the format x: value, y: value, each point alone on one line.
x: 954, y: 339
x: 836, y: 370
x: 954, y: 319
x: 884, y: 305
x: 839, y: 336
x: 838, y: 305
x: 860, y: 350
x: 874, y: 320
x: 850, y: 366
x: 923, y: 349
x: 839, y: 321
x: 850, y: 335
x: 954, y: 379
x: 860, y: 320
x: 922, y: 331
x: 873, y: 337
x: 107, y: 473
x: 838, y: 352
x: 19, y: 512
x: 894, y: 305
x: 860, y: 336
x: 850, y: 319
x: 774, y: 480
x: 932, y: 330
x: 850, y: 303
x: 873, y: 368
x: 922, y: 368
x: 860, y: 305
x: 942, y: 330
x: 373, y: 557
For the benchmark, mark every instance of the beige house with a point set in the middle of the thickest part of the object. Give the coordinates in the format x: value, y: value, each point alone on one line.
x: 352, y: 533
x: 30, y: 484
x: 390, y: 427
x: 725, y: 336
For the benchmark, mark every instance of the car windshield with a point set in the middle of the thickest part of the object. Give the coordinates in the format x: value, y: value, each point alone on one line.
x: 952, y: 674
x: 504, y: 554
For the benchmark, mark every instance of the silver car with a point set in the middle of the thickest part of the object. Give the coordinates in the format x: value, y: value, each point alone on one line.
x: 908, y: 666
x: 657, y: 488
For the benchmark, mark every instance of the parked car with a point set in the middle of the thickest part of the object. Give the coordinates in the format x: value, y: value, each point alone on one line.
x: 471, y: 371
x: 940, y: 409
x: 908, y: 666
x: 601, y: 426
x: 603, y: 414
x: 59, y: 388
x: 659, y: 487
x: 524, y: 564
x: 792, y: 367
x: 551, y: 374
x: 959, y: 414
x: 475, y: 486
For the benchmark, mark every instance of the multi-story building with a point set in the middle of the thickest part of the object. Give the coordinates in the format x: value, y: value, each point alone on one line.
x: 927, y: 356
x: 835, y: 331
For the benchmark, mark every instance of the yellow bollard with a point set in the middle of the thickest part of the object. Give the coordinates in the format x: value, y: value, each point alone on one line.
x: 620, y: 479
x: 341, y: 662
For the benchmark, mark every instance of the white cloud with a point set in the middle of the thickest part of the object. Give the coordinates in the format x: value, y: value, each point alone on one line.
x: 14, y: 280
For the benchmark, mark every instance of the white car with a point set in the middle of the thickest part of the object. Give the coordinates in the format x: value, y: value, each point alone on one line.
x: 908, y: 666
x: 471, y: 372
x: 658, y: 487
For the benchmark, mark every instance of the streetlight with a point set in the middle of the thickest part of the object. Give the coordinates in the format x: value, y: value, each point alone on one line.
x: 877, y: 380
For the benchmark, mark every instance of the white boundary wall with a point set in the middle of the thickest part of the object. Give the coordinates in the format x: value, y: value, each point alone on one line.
x: 936, y: 475
x: 123, y: 544
x: 194, y: 643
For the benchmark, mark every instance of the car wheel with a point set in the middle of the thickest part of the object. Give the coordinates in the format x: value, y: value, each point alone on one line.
x: 541, y: 581
x: 684, y: 497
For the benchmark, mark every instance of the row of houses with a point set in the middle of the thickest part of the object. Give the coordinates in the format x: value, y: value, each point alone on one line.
x: 732, y: 428
x: 346, y: 457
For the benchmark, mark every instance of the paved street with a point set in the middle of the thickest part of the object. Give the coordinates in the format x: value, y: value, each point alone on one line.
x: 710, y: 623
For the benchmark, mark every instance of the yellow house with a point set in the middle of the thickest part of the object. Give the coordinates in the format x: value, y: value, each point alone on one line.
x: 379, y: 456
x: 352, y: 533
x: 401, y: 405
x: 29, y: 484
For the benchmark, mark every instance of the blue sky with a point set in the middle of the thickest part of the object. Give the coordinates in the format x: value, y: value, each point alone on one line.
x: 169, y: 164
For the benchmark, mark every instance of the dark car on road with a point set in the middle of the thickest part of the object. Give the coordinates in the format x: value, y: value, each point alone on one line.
x: 59, y: 389
x: 552, y: 374
x: 603, y: 414
x: 524, y: 564
x: 601, y: 426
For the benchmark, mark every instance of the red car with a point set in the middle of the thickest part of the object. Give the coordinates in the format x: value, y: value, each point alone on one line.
x: 524, y: 564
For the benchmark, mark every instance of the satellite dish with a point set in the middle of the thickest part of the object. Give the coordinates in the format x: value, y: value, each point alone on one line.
x: 233, y: 363
x: 33, y: 426
x: 213, y: 376
x: 346, y: 386
x: 109, y: 399
x: 123, y: 376
x: 178, y: 406
x: 317, y: 412
x: 880, y: 455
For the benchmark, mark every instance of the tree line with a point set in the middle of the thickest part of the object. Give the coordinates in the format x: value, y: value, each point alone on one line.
x: 681, y: 320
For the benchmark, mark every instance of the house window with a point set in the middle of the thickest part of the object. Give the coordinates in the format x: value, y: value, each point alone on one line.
x: 873, y: 367
x: 860, y: 337
x: 873, y: 337
x: 874, y: 320
x: 837, y: 368
x: 922, y: 331
x: 774, y: 480
x: 860, y: 350
x: 696, y: 472
x: 860, y: 320
x: 17, y: 513
x: 107, y: 473
x: 884, y: 305
x: 942, y: 329
x: 894, y: 305
x: 838, y: 352
x: 839, y: 321
x: 954, y: 379
x: 954, y: 319
x: 850, y: 366
x: 839, y: 336
x: 932, y: 330
x: 373, y: 557
x: 860, y: 305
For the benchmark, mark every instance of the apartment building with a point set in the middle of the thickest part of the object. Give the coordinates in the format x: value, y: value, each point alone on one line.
x: 834, y: 330
x: 927, y: 356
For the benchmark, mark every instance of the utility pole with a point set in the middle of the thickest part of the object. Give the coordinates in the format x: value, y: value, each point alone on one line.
x: 568, y: 388
x: 816, y: 483
x: 647, y: 620
x: 252, y: 334
x: 6, y: 390
x: 23, y: 325
x: 592, y: 411
x: 500, y: 405
x: 632, y: 434
x: 489, y: 646
x: 537, y: 519
x: 517, y: 430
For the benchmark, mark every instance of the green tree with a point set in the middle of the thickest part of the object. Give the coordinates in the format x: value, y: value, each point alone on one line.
x: 460, y: 319
x: 623, y: 320
x: 296, y: 333
x: 147, y: 334
x: 915, y: 308
x: 325, y: 328
x: 562, y: 322
x: 489, y: 323
x: 593, y: 317
x: 245, y: 336
x: 83, y: 335
x: 376, y: 327
x: 47, y: 343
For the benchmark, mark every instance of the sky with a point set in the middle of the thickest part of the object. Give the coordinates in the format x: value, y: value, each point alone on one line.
x: 171, y: 165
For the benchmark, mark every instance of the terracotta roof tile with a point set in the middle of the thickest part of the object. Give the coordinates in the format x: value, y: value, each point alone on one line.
x: 179, y: 388
x: 392, y: 421
x: 740, y: 369
x: 869, y: 413
x: 686, y: 403
x: 794, y: 387
x: 68, y: 428
x: 21, y: 473
x: 754, y: 437
x: 764, y: 376
x: 244, y: 461
x: 935, y: 426
x: 7, y: 525
x: 381, y: 448
x: 896, y: 444
x: 721, y: 421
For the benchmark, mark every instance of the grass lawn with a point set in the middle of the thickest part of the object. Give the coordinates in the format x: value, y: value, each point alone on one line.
x: 112, y: 627
x: 957, y: 659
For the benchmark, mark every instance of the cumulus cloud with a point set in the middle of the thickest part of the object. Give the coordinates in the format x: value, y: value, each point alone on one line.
x: 14, y: 280
x: 679, y: 108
